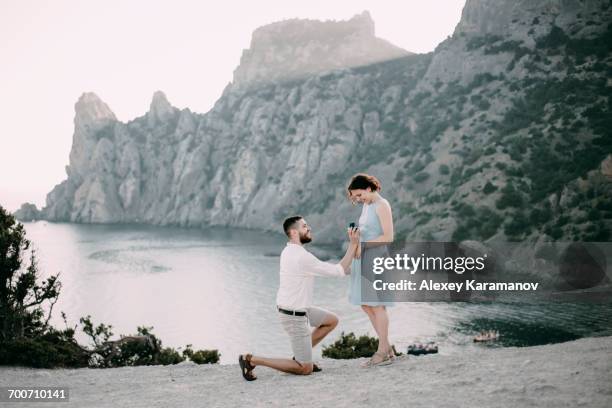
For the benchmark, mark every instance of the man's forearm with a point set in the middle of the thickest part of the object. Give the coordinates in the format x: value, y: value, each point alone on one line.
x: 348, y: 257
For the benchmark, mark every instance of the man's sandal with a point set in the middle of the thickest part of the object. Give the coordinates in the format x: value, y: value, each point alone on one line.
x: 246, y: 367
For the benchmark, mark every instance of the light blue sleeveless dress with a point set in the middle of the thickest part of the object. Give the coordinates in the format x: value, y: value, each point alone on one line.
x: 370, y: 228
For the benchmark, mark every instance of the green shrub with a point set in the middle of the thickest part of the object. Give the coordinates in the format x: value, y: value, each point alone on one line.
x: 481, y: 79
x: 390, y: 127
x: 479, y: 41
x: 399, y: 176
x: 349, y: 346
x: 48, y: 351
x: 417, y: 166
x: 461, y: 233
x: 484, y: 105
x: 407, y: 208
x: 555, y: 232
x: 168, y: 356
x: 489, y: 222
x: 506, y: 46
x: 597, y: 233
x: 473, y: 156
x: 423, y: 217
x: 418, y: 98
x: 539, y: 217
x: 555, y: 38
x: 518, y: 226
x: 444, y: 169
x: 489, y: 188
x: 509, y: 198
x: 421, y: 176
x: 205, y: 357
x: 456, y: 176
x: 465, y: 210
x: 479, y: 224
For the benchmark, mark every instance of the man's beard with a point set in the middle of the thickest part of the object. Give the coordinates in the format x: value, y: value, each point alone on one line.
x: 304, y: 239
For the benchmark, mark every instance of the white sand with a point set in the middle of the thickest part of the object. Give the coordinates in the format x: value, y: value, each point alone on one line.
x: 571, y: 374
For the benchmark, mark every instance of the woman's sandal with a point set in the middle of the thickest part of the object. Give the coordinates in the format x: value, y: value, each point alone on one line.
x: 247, y: 368
x: 385, y: 360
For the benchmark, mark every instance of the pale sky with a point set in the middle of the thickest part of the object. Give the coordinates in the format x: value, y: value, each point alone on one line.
x: 53, y: 51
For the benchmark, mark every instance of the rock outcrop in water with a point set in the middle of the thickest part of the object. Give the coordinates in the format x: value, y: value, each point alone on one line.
x: 29, y: 212
x: 501, y: 133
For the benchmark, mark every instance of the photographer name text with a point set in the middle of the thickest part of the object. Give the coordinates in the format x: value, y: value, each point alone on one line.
x: 467, y: 285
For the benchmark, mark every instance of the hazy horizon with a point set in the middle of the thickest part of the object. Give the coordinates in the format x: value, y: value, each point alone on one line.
x: 124, y: 52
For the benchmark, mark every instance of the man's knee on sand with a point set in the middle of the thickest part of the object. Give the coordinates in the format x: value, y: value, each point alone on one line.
x: 305, y: 369
x: 332, y: 322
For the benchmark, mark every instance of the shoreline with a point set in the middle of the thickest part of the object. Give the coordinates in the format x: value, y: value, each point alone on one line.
x: 575, y: 373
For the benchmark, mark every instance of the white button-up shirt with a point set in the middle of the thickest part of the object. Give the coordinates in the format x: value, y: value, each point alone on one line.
x: 298, y: 267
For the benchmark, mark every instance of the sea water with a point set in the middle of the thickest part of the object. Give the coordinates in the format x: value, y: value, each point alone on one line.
x: 215, y: 288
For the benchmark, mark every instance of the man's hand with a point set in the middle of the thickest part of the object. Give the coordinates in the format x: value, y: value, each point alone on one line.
x: 354, y: 234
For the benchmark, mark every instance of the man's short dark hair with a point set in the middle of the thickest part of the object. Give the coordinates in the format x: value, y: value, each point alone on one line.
x: 290, y: 222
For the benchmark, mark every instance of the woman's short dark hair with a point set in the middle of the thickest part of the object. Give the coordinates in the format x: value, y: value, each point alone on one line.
x: 290, y: 222
x: 361, y: 181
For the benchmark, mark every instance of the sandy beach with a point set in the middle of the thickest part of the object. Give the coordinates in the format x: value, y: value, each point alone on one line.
x: 573, y: 374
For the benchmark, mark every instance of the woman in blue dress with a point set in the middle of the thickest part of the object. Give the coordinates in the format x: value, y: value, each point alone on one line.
x: 376, y: 225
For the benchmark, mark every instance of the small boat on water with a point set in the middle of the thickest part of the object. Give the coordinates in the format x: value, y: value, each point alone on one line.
x: 488, y: 335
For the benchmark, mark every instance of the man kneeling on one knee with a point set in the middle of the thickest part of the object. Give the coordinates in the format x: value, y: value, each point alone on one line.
x: 298, y: 267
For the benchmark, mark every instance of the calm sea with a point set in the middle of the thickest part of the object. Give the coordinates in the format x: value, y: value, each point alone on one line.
x: 216, y: 288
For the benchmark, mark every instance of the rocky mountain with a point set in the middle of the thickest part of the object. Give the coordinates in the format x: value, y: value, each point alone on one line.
x: 501, y: 133
x: 296, y: 48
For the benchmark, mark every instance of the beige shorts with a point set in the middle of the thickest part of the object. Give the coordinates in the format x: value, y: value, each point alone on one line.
x: 298, y: 329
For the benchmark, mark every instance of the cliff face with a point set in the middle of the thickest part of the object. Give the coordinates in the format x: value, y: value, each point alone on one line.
x: 501, y: 132
x: 295, y: 49
x: 488, y: 24
x: 482, y: 17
